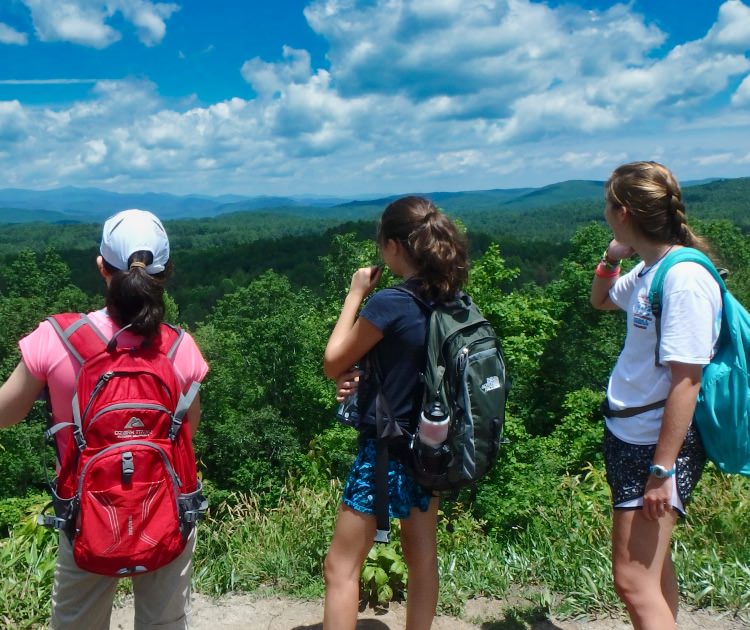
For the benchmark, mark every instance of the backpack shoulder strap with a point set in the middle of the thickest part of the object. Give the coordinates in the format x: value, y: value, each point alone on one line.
x: 79, y: 334
x: 684, y: 254
x: 417, y: 298
x: 170, y: 338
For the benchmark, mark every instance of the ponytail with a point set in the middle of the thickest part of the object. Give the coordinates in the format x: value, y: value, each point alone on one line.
x: 135, y: 298
x: 432, y: 242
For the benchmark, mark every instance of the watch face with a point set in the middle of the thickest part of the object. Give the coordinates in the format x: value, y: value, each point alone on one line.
x: 660, y: 472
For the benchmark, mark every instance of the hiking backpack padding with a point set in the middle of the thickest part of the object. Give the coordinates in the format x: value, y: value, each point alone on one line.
x: 127, y: 491
x: 722, y: 411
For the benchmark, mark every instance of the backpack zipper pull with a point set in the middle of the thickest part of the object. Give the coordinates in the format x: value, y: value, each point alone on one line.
x: 462, y: 359
x: 94, y: 392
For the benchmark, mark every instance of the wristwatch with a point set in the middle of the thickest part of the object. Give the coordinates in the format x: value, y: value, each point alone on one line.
x: 660, y: 472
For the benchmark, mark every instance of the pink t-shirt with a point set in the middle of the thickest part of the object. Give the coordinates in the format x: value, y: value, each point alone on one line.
x: 47, y: 358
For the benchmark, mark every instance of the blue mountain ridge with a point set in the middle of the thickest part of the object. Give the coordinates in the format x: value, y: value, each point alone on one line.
x: 86, y: 205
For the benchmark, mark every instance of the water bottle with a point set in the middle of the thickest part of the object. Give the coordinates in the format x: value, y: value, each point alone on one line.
x: 348, y: 411
x: 431, y: 451
x: 433, y: 425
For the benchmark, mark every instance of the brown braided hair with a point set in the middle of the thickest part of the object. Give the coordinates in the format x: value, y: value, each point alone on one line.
x: 653, y: 198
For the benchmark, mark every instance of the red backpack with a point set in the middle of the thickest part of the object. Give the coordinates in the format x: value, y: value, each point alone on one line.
x: 126, y: 493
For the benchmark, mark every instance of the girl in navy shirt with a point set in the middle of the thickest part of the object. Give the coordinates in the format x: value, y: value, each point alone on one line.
x: 421, y: 245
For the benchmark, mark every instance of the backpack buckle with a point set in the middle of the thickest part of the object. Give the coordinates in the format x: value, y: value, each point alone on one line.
x: 78, y: 437
x: 174, y: 429
x: 53, y: 522
x: 128, y: 468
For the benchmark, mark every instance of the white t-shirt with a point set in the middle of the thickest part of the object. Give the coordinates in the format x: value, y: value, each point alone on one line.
x: 690, y: 325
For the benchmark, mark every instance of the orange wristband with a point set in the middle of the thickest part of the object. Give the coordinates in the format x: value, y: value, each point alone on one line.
x: 604, y: 271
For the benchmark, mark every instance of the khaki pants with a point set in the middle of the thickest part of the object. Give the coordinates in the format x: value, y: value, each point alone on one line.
x: 83, y: 601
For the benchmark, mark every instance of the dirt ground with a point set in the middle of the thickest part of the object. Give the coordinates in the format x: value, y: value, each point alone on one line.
x: 245, y: 612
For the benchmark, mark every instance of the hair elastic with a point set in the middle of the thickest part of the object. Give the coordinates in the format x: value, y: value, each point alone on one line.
x: 138, y: 263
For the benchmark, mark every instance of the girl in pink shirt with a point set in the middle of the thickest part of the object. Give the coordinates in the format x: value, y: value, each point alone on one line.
x: 134, y: 264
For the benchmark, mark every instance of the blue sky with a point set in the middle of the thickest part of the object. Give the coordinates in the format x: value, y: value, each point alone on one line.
x: 348, y: 97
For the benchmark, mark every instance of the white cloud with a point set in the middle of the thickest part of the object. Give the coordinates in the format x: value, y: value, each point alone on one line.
x: 47, y: 81
x: 416, y: 95
x: 715, y: 158
x: 267, y: 79
x: 85, y: 21
x: 148, y: 17
x: 10, y: 35
x: 732, y: 30
x: 741, y: 98
x: 13, y: 121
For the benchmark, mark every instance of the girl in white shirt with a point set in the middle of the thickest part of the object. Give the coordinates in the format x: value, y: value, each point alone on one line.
x: 653, y: 453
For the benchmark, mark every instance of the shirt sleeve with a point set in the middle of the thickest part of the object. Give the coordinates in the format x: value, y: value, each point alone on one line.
x: 384, y: 309
x: 189, y: 362
x: 691, y: 317
x: 38, y: 348
x: 620, y: 292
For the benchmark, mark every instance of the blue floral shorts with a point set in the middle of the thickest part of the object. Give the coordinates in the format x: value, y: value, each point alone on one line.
x: 403, y: 492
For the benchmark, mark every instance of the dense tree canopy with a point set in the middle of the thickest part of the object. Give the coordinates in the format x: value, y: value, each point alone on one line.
x: 261, y: 310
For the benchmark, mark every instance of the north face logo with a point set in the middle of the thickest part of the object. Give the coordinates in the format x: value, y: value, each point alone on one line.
x: 492, y: 382
x: 134, y: 423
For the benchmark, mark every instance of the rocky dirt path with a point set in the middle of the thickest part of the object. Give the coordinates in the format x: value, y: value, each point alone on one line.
x: 244, y: 612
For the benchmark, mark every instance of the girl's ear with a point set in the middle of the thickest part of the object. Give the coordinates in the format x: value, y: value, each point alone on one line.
x: 391, y: 246
x: 102, y: 269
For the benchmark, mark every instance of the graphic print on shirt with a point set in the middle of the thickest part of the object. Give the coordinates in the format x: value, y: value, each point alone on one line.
x: 642, y: 315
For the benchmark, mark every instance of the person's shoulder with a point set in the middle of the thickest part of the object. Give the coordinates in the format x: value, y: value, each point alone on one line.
x: 389, y: 294
x: 687, y: 274
x: 187, y: 342
x: 692, y: 277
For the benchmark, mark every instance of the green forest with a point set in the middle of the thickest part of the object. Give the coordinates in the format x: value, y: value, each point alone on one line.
x: 260, y: 292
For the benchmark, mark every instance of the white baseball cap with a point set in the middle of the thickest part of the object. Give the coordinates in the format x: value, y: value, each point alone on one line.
x: 133, y: 231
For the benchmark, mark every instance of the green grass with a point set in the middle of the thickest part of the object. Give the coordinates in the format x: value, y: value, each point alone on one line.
x: 557, y: 564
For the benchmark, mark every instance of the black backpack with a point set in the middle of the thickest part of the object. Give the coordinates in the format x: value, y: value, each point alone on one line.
x: 465, y: 376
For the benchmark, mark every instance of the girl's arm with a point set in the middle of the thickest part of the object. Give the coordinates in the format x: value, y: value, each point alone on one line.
x: 352, y: 338
x: 678, y: 414
x: 606, y: 274
x: 194, y: 415
x: 18, y: 394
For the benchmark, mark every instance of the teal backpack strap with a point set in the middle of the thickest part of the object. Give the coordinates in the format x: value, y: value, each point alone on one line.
x: 684, y: 254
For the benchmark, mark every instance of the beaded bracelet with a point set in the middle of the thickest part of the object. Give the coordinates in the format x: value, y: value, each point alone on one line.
x: 608, y: 263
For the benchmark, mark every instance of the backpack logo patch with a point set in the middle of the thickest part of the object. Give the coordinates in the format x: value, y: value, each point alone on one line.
x: 492, y: 382
x: 134, y: 428
x: 134, y: 423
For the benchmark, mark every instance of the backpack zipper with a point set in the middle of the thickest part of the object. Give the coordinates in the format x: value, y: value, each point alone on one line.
x: 116, y: 406
x: 106, y: 377
x: 95, y: 392
x: 167, y: 464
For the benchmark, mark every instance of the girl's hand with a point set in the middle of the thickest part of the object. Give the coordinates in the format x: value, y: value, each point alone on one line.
x: 657, y: 498
x: 364, y: 281
x: 347, y: 384
x: 618, y: 251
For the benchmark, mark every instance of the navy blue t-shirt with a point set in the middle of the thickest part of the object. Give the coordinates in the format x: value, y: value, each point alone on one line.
x: 401, y: 353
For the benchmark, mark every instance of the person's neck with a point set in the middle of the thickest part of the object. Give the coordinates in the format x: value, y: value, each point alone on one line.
x: 651, y: 253
x: 408, y: 273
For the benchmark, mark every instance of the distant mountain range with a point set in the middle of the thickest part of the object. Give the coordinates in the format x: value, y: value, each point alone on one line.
x: 89, y: 205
